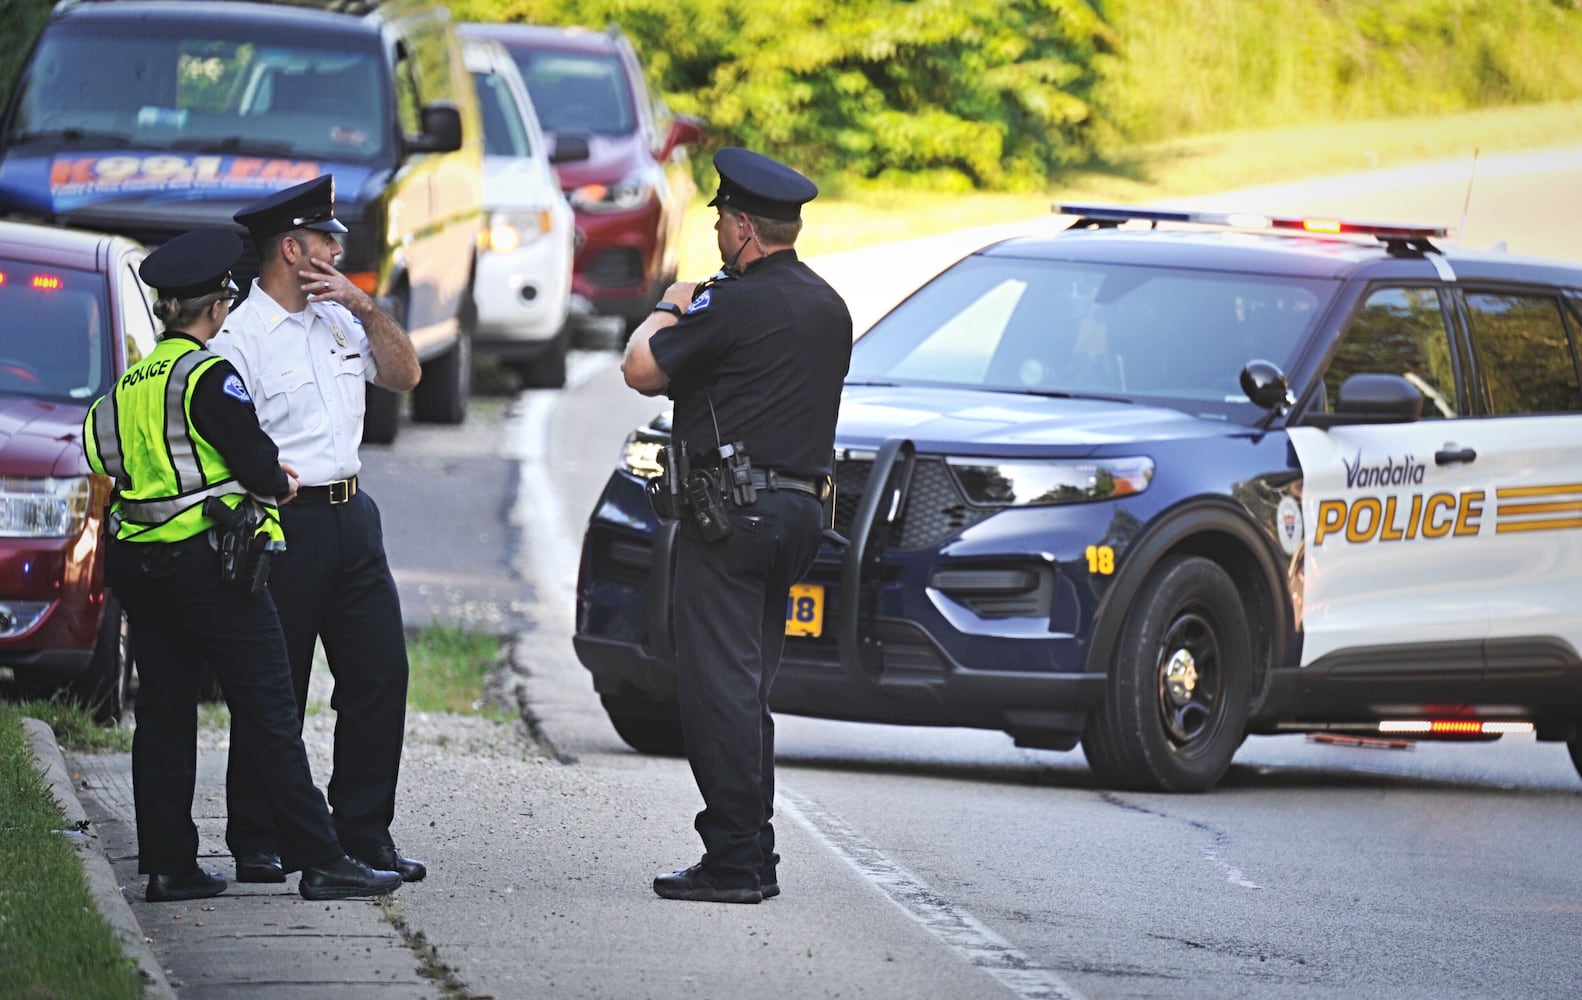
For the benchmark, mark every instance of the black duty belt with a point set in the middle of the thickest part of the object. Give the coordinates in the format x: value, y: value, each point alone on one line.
x: 773, y: 479
x: 339, y: 491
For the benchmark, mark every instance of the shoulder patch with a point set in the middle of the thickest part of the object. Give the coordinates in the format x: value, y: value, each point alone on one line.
x: 701, y: 302
x: 234, y: 387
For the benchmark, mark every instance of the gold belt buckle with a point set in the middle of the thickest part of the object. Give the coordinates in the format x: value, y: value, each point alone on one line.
x: 342, y: 490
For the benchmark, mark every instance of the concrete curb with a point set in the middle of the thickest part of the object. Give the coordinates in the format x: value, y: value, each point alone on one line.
x: 102, y: 884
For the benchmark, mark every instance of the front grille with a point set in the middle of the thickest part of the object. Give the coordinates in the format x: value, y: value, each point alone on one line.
x: 617, y: 268
x: 934, y: 510
x: 905, y: 651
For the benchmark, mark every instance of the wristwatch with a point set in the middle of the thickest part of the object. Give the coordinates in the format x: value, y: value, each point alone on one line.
x: 663, y: 306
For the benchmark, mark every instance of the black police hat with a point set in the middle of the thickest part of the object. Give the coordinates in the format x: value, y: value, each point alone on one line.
x: 309, y: 205
x: 193, y: 264
x: 753, y: 183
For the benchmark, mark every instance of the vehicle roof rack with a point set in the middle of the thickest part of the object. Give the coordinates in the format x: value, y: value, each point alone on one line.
x: 1398, y: 238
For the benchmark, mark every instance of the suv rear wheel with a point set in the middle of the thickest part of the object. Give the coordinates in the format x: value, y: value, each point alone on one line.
x: 1176, y: 705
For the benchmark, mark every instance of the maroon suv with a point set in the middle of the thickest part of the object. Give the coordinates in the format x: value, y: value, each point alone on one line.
x: 621, y: 157
x: 73, y: 315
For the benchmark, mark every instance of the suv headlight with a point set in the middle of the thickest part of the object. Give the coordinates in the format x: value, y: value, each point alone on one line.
x: 43, y: 508
x: 628, y: 193
x: 509, y: 230
x: 1032, y: 484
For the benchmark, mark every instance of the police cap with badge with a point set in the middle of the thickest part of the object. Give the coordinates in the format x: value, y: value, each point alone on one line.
x: 753, y: 184
x: 193, y: 264
x: 309, y: 205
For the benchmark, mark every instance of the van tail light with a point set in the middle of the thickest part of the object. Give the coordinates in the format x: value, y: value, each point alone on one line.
x: 368, y: 281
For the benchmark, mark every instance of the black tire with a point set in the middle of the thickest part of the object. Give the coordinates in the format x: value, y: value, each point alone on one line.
x: 548, y: 370
x: 1574, y: 744
x: 382, y: 408
x: 381, y: 416
x: 103, y: 688
x: 442, y: 396
x: 652, y: 727
x: 1175, y: 709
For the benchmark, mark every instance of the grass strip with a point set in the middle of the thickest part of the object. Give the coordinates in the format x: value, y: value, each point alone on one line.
x: 53, y: 941
x: 449, y: 668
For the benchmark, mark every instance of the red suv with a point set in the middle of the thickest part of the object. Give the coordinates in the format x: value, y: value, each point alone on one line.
x: 621, y: 157
x: 73, y: 315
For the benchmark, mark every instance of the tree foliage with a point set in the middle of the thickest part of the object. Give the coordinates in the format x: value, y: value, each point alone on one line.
x: 949, y: 94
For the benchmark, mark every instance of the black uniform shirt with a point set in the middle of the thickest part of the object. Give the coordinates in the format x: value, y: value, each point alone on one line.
x: 229, y: 422
x: 770, y: 348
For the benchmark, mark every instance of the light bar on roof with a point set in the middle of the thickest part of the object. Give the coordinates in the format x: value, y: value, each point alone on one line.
x: 1248, y: 220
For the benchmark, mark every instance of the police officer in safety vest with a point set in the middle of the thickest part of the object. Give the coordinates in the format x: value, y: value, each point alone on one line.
x: 191, y: 526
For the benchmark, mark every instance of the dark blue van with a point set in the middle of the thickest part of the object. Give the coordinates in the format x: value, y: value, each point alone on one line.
x: 151, y: 117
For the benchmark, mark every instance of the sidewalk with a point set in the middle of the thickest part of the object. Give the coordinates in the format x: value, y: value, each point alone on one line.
x: 261, y: 941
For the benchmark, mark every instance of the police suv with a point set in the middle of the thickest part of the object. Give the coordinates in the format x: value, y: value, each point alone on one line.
x: 1166, y: 479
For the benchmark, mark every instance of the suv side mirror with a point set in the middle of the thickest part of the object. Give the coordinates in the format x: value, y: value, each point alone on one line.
x: 569, y: 147
x: 1368, y: 398
x: 441, y: 129
x: 1265, y: 384
x: 684, y: 131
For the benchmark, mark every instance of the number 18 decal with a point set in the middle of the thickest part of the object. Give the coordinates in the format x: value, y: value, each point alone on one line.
x: 1101, y: 559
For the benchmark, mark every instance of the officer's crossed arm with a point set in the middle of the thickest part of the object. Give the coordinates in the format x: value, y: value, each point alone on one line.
x: 641, y: 370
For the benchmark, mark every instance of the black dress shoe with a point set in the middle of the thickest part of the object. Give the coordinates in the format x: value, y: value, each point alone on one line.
x: 189, y: 885
x: 697, y: 884
x: 259, y: 866
x: 390, y: 859
x: 345, y: 879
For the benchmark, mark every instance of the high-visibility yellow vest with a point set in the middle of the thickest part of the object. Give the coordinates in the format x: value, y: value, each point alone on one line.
x: 141, y: 435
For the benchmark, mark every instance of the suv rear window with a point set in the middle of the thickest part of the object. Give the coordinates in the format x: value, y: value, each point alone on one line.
x: 186, y: 85
x: 578, y: 93
x: 54, y: 323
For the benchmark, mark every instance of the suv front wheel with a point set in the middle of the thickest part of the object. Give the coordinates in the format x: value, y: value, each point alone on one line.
x: 1175, y: 708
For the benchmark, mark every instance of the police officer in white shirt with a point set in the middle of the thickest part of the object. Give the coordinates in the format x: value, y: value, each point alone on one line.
x: 305, y: 340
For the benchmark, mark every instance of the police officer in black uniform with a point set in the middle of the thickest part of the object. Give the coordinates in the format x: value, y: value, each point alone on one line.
x: 754, y: 360
x: 179, y: 476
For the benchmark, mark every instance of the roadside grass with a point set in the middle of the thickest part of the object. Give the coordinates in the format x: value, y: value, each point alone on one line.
x: 449, y: 673
x: 53, y: 941
x: 847, y: 220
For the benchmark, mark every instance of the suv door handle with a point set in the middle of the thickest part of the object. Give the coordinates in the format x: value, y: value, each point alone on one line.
x: 1445, y: 456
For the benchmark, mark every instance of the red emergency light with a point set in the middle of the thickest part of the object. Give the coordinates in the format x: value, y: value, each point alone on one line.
x: 46, y: 282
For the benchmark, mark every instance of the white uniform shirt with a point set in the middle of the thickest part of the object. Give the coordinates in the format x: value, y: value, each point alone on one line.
x: 305, y: 372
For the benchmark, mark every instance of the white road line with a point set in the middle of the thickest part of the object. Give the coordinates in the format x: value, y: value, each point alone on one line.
x: 551, y: 551
x: 960, y: 931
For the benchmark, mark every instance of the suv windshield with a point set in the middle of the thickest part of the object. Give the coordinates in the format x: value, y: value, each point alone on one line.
x: 504, y: 131
x: 578, y: 93
x: 185, y: 85
x: 1175, y: 337
x: 54, y: 326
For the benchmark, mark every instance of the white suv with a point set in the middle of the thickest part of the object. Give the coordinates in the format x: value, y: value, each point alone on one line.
x: 523, y: 289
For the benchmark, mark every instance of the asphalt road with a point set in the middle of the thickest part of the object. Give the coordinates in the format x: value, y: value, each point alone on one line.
x: 949, y: 863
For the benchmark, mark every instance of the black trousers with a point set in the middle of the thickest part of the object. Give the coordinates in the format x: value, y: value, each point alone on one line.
x: 730, y: 612
x: 181, y: 618
x: 333, y: 584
